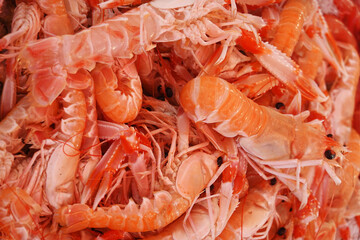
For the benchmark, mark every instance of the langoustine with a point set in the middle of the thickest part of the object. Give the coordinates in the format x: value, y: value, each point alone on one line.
x: 123, y: 174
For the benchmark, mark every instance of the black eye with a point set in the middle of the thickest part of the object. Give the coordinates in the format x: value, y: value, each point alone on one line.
x: 329, y: 135
x: 281, y: 231
x: 169, y: 92
x: 219, y: 161
x: 273, y: 181
x: 161, y: 98
x: 329, y: 154
x: 243, y: 52
x: 279, y: 105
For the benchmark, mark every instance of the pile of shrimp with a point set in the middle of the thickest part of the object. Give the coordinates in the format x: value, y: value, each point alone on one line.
x: 187, y: 119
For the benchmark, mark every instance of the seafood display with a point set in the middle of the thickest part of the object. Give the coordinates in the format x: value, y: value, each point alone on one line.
x: 187, y: 119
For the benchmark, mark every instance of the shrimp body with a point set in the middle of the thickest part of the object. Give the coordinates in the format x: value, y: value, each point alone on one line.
x: 166, y: 206
x: 123, y: 36
x: 291, y: 22
x: 25, y: 25
x: 343, y: 96
x: 19, y: 214
x: 50, y: 59
x: 213, y: 100
x: 353, y: 185
x: 264, y: 133
x: 119, y: 96
x: 202, y: 223
x: 8, y: 96
x: 12, y: 128
x: 90, y: 142
x: 342, y: 194
x: 63, y: 162
x: 125, y: 147
x: 255, y: 211
x: 56, y: 21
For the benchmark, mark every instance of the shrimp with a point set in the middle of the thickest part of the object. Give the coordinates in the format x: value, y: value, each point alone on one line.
x: 126, y: 35
x: 166, y: 206
x: 214, y: 101
x: 343, y: 95
x: 90, y: 142
x: 8, y: 96
x: 179, y: 229
x: 78, y: 12
x: 127, y: 146
x: 12, y: 127
x: 56, y: 21
x: 280, y: 66
x: 353, y: 185
x: 340, y: 31
x: 343, y: 192
x: 118, y: 95
x: 19, y: 215
x: 278, y: 62
x: 198, y: 225
x: 63, y: 162
x: 256, y: 211
x: 25, y: 25
x: 49, y: 51
x: 348, y: 12
x: 291, y: 23
x: 256, y: 85
x: 320, y: 33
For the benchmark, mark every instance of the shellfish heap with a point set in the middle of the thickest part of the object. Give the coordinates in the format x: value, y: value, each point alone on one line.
x: 186, y: 119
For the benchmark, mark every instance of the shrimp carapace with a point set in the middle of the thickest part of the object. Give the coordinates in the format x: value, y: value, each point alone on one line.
x: 215, y: 101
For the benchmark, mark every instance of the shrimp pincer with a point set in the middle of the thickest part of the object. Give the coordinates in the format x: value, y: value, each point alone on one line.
x: 263, y: 133
x: 62, y: 165
x: 166, y: 206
